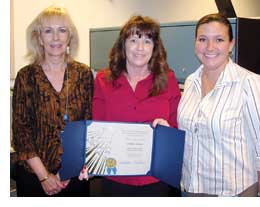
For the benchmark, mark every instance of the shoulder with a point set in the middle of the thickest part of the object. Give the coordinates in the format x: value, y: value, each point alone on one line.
x: 171, y: 76
x: 103, y: 74
x: 173, y: 85
x: 243, y: 74
x: 79, y: 66
x: 189, y: 78
x: 172, y: 81
x: 248, y: 80
x: 27, y: 72
x: 251, y: 81
x: 26, y: 77
x: 80, y: 70
x: 27, y: 69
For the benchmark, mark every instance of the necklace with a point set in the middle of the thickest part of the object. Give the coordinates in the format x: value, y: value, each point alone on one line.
x: 46, y: 68
x: 66, y: 116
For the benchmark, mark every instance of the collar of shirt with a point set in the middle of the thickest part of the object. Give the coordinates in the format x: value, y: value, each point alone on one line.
x: 122, y: 79
x: 227, y: 77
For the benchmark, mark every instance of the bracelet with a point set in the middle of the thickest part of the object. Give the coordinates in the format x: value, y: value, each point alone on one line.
x: 45, y: 178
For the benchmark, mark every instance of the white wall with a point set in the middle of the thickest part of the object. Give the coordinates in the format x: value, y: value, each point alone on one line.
x: 105, y: 13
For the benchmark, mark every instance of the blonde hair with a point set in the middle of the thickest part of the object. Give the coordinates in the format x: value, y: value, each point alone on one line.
x: 35, y: 50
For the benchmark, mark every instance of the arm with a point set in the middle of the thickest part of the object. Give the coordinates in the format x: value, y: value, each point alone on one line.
x: 98, y: 103
x: 88, y: 88
x: 174, y: 99
x: 175, y: 96
x: 23, y: 120
x: 258, y: 173
x: 253, y: 115
x: 23, y: 127
x: 50, y: 183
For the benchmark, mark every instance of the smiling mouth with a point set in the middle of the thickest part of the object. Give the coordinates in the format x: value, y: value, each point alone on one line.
x: 139, y: 55
x: 210, y: 55
x: 56, y: 46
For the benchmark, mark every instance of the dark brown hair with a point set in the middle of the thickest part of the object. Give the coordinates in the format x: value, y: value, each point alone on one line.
x: 216, y: 17
x: 157, y: 64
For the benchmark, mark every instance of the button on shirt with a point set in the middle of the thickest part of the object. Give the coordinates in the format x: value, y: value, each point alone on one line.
x: 222, y: 149
x: 116, y: 101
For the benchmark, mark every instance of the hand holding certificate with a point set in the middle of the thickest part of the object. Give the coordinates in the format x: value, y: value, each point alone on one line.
x: 111, y: 149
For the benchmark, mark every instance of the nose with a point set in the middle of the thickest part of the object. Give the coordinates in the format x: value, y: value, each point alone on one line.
x: 210, y: 45
x: 55, y: 35
x: 140, y: 45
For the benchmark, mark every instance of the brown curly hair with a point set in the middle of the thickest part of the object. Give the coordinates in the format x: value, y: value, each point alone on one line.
x: 157, y: 64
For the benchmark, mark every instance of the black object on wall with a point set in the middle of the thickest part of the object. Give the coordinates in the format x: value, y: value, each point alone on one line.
x: 248, y: 44
x: 226, y: 7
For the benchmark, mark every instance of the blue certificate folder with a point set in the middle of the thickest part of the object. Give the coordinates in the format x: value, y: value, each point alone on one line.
x: 167, y: 152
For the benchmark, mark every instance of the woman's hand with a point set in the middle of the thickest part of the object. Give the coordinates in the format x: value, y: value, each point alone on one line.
x: 64, y: 182
x: 161, y: 122
x: 52, y: 185
x: 84, y: 173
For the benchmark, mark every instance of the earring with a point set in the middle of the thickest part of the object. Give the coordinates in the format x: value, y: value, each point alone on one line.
x: 68, y: 50
x: 231, y: 54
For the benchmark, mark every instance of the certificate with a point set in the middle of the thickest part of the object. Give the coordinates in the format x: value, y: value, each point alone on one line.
x: 122, y: 149
x: 118, y: 148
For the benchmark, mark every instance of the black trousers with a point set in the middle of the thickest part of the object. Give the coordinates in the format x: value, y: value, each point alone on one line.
x: 28, y: 185
x: 159, y: 189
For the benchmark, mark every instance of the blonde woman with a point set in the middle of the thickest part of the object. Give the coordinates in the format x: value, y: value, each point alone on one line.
x: 52, y: 89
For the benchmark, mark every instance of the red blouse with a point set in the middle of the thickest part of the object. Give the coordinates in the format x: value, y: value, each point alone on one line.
x: 118, y: 102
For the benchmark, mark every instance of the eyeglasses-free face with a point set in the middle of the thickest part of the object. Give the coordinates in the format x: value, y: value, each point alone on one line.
x: 54, y: 38
x: 213, y: 46
x: 138, y: 49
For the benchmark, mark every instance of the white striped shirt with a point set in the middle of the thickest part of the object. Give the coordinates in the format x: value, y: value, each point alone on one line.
x: 222, y: 144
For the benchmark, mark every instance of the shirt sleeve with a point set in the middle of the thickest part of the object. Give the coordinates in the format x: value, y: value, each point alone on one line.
x: 175, y: 96
x: 22, y: 125
x: 88, y: 87
x: 98, y: 103
x: 252, y: 91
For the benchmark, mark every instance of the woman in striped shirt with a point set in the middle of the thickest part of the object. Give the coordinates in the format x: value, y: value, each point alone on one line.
x: 220, y: 112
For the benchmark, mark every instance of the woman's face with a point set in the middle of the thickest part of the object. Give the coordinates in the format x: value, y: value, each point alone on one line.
x: 54, y: 38
x: 213, y: 45
x: 139, y: 50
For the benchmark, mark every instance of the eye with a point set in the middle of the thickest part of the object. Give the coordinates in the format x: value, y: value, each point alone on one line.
x: 63, y: 29
x: 219, y: 40
x: 202, y: 39
x: 132, y: 40
x: 148, y: 41
x: 47, y: 30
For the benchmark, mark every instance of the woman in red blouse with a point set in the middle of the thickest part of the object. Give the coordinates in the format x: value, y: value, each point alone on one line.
x: 138, y: 86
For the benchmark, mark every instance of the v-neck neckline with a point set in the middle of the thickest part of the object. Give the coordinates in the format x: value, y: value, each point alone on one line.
x: 64, y: 83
